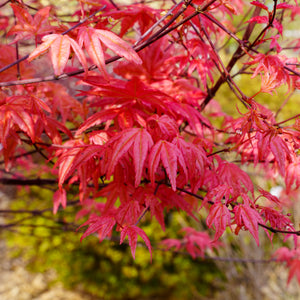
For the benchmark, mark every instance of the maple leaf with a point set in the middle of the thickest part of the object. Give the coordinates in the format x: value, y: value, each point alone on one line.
x: 258, y: 4
x: 121, y: 188
x: 233, y: 176
x: 294, y: 270
x: 292, y: 259
x: 12, y: 142
x: 140, y: 14
x: 60, y: 51
x: 69, y: 109
x: 156, y: 208
x: 205, y: 60
x: 218, y: 193
x: 292, y: 175
x: 196, y: 243
x: 254, y: 121
x: 92, y: 38
x: 52, y: 128
x: 162, y: 127
x: 59, y: 197
x: 274, y: 143
x: 137, y: 139
x: 26, y: 114
x: 191, y: 115
x: 128, y: 212
x: 195, y: 160
x: 273, y: 73
x: 277, y: 219
x: 126, y: 103
x: 15, y: 115
x: 154, y: 65
x: 135, y: 92
x: 27, y: 25
x: 170, y: 199
x: 273, y: 199
x: 103, y: 225
x: 75, y: 156
x: 274, y: 43
x: 96, y: 119
x: 284, y: 6
x: 281, y: 152
x: 219, y: 217
x: 7, y: 57
x: 247, y: 217
x: 266, y: 20
x: 132, y: 232
x: 168, y: 153
x: 170, y: 243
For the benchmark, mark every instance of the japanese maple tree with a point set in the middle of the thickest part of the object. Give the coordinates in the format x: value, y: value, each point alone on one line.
x: 126, y: 116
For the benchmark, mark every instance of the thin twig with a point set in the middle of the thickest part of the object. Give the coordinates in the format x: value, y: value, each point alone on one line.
x: 158, y: 22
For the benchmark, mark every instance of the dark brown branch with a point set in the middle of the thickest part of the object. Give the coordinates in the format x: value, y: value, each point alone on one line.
x: 19, y: 155
x: 3, y: 4
x: 235, y: 57
x: 231, y: 83
x: 28, y: 182
x: 292, y: 71
x: 274, y: 230
x: 35, y: 211
x: 271, y: 20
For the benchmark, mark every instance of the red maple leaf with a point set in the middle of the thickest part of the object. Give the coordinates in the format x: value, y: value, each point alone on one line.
x: 292, y: 175
x: 219, y: 217
x: 60, y: 51
x: 28, y: 26
x: 59, y: 197
x: 132, y: 232
x: 265, y: 19
x: 195, y: 242
x: 136, y: 140
x: 102, y: 225
x: 156, y: 208
x: 195, y: 159
x: 162, y: 127
x: 233, y: 176
x: 292, y: 259
x: 140, y: 14
x: 294, y: 270
x: 128, y: 212
x: 73, y: 155
x: 168, y: 154
x: 248, y: 218
x: 92, y: 39
x: 272, y: 71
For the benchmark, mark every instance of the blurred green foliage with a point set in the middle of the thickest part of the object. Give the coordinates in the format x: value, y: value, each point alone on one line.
x: 282, y: 102
x: 106, y: 270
